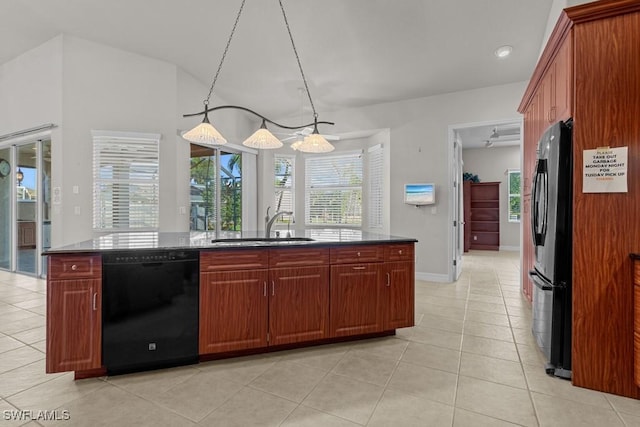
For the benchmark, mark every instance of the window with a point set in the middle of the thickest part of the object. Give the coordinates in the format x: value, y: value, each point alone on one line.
x: 376, y: 186
x: 125, y: 181
x: 284, y: 186
x: 333, y: 186
x: 514, y: 195
x: 216, y: 189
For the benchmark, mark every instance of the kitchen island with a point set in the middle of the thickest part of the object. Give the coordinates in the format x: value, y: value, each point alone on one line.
x: 255, y: 294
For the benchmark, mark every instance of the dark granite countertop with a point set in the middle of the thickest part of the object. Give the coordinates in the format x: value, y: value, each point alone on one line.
x: 225, y: 240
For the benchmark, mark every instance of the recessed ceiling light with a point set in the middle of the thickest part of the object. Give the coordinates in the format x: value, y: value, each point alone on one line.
x: 503, y: 51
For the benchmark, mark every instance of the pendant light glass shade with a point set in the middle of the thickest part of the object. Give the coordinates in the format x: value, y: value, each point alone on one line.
x: 205, y: 134
x: 296, y: 144
x: 315, y: 143
x: 262, y: 138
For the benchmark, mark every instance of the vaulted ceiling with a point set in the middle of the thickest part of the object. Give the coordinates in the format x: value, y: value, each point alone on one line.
x: 354, y: 52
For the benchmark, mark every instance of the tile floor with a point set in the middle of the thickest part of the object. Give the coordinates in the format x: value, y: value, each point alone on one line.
x: 470, y: 361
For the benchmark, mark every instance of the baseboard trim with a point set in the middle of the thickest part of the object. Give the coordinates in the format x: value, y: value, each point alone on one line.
x: 510, y: 248
x: 431, y: 277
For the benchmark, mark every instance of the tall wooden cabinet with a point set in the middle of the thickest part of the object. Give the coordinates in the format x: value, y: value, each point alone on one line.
x: 482, y: 215
x: 589, y: 71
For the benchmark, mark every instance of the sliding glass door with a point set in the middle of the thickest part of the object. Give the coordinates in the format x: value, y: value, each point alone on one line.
x: 216, y: 190
x: 25, y: 211
x: 6, y: 187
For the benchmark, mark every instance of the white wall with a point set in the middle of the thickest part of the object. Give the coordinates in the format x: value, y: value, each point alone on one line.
x: 491, y: 164
x: 554, y: 14
x: 419, y: 153
x: 81, y: 85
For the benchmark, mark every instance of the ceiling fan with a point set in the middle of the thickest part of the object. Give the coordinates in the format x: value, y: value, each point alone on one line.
x: 507, y: 131
x: 299, y: 135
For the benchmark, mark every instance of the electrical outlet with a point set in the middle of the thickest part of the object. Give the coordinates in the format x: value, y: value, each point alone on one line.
x: 76, y: 189
x: 182, y: 210
x: 76, y: 210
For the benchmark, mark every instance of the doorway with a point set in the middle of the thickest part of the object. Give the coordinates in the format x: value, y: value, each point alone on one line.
x: 494, y: 147
x: 25, y: 208
x: 216, y: 190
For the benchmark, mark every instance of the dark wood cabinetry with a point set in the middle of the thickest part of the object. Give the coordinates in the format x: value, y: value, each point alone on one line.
x: 74, y: 313
x: 298, y: 304
x: 375, y: 294
x: 356, y: 299
x: 233, y: 310
x: 251, y: 300
x: 482, y: 215
x: 589, y: 71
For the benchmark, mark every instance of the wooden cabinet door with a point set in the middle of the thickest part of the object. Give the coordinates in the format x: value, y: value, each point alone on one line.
x: 355, y: 306
x: 233, y: 310
x: 398, y: 296
x: 298, y: 304
x: 74, y: 326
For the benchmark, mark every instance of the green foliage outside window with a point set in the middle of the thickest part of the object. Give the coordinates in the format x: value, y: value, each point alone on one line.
x: 514, y: 196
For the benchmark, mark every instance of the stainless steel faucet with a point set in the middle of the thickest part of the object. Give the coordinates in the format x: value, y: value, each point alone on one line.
x: 268, y: 222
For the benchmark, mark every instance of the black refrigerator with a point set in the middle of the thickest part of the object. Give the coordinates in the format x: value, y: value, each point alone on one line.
x: 551, y: 211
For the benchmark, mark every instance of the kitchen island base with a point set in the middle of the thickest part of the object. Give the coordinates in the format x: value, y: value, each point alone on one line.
x: 251, y: 300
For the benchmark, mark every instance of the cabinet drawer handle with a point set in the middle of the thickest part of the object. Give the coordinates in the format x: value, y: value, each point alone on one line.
x: 400, y: 252
x: 265, y: 289
x: 388, y: 280
x: 358, y: 253
x: 74, y: 267
x: 359, y: 268
x: 273, y: 288
x: 95, y: 300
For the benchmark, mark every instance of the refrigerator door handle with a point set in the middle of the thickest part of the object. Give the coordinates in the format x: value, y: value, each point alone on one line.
x: 540, y: 282
x: 540, y: 203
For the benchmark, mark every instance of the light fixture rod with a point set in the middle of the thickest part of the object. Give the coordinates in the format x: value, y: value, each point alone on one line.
x: 237, y: 107
x: 224, y: 54
x: 295, y: 51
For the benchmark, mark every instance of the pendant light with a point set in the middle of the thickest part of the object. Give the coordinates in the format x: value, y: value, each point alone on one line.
x: 206, y: 134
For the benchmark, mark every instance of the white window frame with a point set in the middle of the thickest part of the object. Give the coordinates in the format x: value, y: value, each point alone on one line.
x: 510, y: 216
x: 284, y: 219
x: 375, y: 185
x: 119, y: 152
x: 312, y: 162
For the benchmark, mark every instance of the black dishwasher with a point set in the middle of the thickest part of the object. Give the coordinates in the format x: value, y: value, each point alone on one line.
x: 149, y: 309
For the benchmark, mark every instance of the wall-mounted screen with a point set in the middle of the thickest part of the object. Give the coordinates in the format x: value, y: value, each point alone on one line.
x: 419, y: 194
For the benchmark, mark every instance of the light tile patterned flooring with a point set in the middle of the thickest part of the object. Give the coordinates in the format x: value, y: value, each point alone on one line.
x: 470, y: 361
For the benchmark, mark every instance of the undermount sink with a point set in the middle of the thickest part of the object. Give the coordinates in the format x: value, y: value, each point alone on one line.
x: 259, y: 240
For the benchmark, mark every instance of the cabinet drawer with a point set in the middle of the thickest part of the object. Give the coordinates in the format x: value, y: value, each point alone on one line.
x: 74, y: 266
x: 399, y: 252
x: 356, y: 254
x: 234, y: 260
x: 297, y: 257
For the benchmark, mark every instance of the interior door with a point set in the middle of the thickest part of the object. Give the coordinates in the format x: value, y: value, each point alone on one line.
x: 458, y: 216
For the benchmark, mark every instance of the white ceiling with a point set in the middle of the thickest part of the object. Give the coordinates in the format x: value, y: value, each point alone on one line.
x: 354, y: 52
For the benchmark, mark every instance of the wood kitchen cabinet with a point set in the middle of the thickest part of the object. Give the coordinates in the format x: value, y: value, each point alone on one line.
x: 233, y: 300
x: 256, y: 298
x: 356, y: 299
x: 233, y: 310
x: 298, y: 304
x: 74, y: 313
x: 356, y: 290
x: 589, y: 71
x: 399, y: 290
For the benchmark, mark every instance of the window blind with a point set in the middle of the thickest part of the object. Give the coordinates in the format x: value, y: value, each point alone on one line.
x: 333, y: 186
x: 284, y: 185
x: 125, y: 181
x: 376, y: 186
